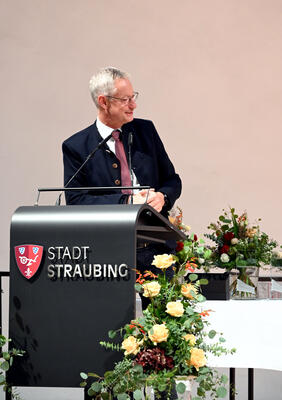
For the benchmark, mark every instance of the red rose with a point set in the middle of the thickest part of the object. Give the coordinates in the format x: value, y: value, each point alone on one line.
x: 224, y: 249
x: 228, y: 236
x: 179, y: 246
x: 195, y: 238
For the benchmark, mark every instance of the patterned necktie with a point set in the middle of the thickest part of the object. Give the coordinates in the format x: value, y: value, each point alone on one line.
x: 124, y: 170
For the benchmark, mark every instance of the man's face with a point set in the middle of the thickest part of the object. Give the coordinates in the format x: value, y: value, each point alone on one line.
x: 118, y: 111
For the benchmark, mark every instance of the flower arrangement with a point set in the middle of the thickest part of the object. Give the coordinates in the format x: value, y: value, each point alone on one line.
x: 170, y: 340
x: 239, y: 243
x: 240, y: 246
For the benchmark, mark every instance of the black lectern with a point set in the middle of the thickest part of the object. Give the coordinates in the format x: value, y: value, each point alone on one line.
x: 72, y: 280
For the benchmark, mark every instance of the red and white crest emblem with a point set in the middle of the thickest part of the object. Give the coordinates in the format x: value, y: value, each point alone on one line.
x: 28, y: 257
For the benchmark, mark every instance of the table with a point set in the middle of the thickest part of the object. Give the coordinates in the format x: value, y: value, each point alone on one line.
x: 254, y: 328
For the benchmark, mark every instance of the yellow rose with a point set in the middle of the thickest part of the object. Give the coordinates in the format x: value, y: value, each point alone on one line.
x: 197, y: 358
x: 159, y: 333
x: 190, y: 338
x: 163, y: 261
x: 130, y: 345
x: 187, y: 289
x: 250, y: 232
x: 175, y: 308
x: 151, y: 289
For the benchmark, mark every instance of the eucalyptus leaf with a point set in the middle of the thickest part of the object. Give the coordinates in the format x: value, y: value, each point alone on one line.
x: 122, y: 396
x: 212, y: 334
x: 221, y: 392
x: 180, y: 388
x: 83, y: 375
x: 2, y: 379
x: 224, y: 379
x: 83, y: 384
x: 96, y: 386
x: 193, y: 277
x: 137, y: 394
x: 138, y: 287
x: 90, y: 392
x: 203, y: 281
x: 5, y: 366
x: 200, y: 298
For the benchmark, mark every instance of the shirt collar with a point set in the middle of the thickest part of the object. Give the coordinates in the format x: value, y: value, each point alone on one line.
x: 104, y: 130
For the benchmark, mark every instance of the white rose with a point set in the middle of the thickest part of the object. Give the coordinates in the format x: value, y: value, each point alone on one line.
x: 234, y: 241
x: 224, y: 258
x: 201, y: 260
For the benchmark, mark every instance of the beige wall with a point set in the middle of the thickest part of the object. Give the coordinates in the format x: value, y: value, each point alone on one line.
x: 209, y: 76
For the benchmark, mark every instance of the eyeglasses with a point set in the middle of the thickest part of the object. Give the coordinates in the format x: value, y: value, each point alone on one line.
x: 126, y: 100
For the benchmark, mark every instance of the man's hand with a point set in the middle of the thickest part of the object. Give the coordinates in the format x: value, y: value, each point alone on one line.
x: 154, y: 199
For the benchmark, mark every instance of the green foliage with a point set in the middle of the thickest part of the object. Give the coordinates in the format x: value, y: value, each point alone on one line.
x: 6, y: 362
x: 159, y: 346
x: 238, y: 243
x: 180, y: 388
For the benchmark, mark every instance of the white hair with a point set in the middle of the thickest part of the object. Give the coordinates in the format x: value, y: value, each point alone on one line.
x: 104, y: 82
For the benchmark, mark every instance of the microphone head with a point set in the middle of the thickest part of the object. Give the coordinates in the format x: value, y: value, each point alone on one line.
x: 130, y: 138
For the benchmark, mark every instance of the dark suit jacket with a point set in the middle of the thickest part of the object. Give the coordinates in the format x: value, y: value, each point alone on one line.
x: 150, y: 164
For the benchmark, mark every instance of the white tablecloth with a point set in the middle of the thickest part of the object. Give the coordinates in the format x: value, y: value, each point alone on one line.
x: 253, y: 327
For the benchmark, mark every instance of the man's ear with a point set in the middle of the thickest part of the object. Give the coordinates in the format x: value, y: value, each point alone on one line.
x: 103, y: 102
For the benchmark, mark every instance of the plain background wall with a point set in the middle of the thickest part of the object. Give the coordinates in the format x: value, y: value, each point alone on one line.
x: 209, y: 76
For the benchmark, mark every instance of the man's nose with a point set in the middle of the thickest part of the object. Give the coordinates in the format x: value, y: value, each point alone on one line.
x: 132, y: 104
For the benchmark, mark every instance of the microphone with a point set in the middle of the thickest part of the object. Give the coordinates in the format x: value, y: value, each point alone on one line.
x: 100, y: 145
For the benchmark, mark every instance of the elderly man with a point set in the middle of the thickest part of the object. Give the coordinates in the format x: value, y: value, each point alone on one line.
x: 115, y: 100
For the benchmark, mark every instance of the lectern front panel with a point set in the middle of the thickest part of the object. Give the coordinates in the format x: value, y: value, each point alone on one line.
x: 71, y: 282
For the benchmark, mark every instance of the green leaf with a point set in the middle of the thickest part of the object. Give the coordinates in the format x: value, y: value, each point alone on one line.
x: 190, y: 311
x: 5, y: 366
x: 138, y: 287
x: 105, y: 396
x: 193, y: 277
x: 224, y: 379
x: 203, y: 282
x: 6, y: 356
x: 112, y: 334
x: 221, y: 392
x: 3, y: 340
x: 138, y: 368
x: 91, y: 392
x: 161, y: 387
x: 200, y: 298
x: 83, y: 375
x: 96, y: 386
x: 83, y: 384
x: 188, y: 323
x: 93, y: 375
x: 180, y: 388
x: 222, y: 340
x: 212, y: 334
x: 137, y: 394
x: 2, y: 379
x: 122, y: 396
